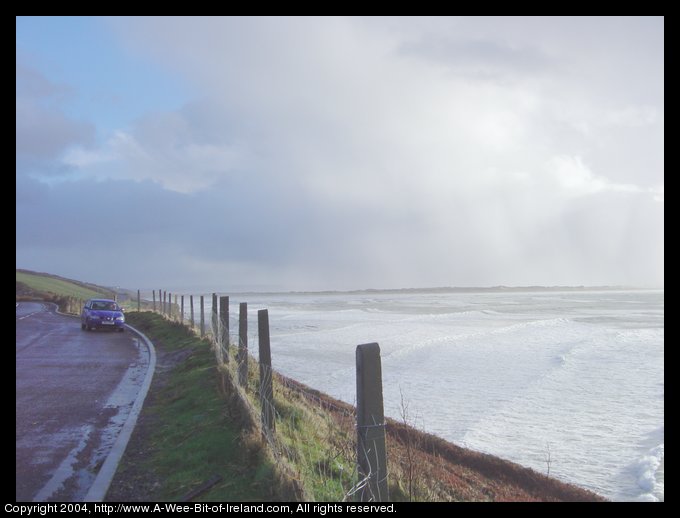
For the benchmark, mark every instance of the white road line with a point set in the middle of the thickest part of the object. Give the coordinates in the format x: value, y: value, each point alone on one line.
x: 65, y: 469
x: 101, y: 484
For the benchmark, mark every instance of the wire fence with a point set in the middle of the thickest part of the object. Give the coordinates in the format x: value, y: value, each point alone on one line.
x: 313, y: 438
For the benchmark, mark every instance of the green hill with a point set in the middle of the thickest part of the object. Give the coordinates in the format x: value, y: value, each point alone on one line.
x: 66, y: 293
x: 30, y: 283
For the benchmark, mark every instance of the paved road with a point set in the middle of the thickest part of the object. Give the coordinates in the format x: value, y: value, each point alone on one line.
x: 74, y: 390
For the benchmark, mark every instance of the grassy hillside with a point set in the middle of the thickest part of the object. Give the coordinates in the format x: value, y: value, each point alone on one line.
x: 43, y: 283
x: 65, y: 293
x: 193, y: 429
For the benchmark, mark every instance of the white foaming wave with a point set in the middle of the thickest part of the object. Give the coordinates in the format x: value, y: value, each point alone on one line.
x: 646, y: 472
x: 549, y: 323
x: 447, y: 339
x: 640, y: 335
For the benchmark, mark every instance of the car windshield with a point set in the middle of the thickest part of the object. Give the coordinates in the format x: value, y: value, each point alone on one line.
x: 109, y: 306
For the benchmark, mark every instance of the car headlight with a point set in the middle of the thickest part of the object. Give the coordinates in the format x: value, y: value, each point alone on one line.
x: 120, y: 319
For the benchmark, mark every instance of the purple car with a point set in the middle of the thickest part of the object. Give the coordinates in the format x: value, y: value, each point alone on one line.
x: 103, y: 313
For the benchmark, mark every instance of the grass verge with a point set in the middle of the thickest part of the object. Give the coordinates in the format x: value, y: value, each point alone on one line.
x: 188, y: 433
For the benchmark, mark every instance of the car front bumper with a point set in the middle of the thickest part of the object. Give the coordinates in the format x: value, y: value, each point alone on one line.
x: 106, y: 324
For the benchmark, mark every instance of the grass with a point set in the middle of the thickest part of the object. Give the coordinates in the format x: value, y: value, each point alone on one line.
x: 68, y: 294
x: 47, y: 284
x: 188, y: 433
x: 311, y: 447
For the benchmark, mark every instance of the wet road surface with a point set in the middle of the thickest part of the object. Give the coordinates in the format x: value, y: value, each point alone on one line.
x: 74, y: 390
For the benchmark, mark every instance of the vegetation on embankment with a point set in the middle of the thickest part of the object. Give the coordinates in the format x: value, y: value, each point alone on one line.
x: 68, y: 294
x: 192, y: 430
x: 35, y: 283
x: 188, y: 433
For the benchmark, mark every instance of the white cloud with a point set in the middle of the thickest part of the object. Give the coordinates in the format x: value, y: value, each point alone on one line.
x: 575, y: 178
x: 174, y: 155
x: 633, y: 116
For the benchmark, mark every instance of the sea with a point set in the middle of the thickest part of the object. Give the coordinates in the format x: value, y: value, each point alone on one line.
x: 569, y: 382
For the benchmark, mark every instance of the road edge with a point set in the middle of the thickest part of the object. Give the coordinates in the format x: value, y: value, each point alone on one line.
x: 100, y: 486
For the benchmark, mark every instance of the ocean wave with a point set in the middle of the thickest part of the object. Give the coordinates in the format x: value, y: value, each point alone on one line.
x: 646, y: 470
x: 645, y: 335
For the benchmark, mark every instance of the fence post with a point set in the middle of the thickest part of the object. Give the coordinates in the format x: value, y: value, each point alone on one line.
x: 243, y: 344
x: 139, y: 301
x: 191, y: 304
x: 176, y: 304
x: 170, y: 305
x: 213, y: 320
x: 224, y: 327
x: 181, y: 310
x: 154, y: 299
x: 371, y: 453
x: 266, y: 388
x: 202, y: 317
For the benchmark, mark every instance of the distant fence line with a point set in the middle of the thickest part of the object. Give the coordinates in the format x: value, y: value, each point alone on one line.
x: 371, y: 455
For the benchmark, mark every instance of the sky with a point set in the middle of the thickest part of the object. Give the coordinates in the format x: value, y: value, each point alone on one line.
x: 223, y: 154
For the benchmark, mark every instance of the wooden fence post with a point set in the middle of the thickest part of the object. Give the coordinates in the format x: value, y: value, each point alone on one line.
x: 139, y: 301
x: 224, y: 327
x: 165, y: 302
x: 243, y: 344
x: 169, y: 305
x: 181, y: 310
x: 266, y: 387
x: 213, y: 320
x: 202, y: 318
x: 371, y: 453
x: 191, y: 304
x: 154, y: 300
